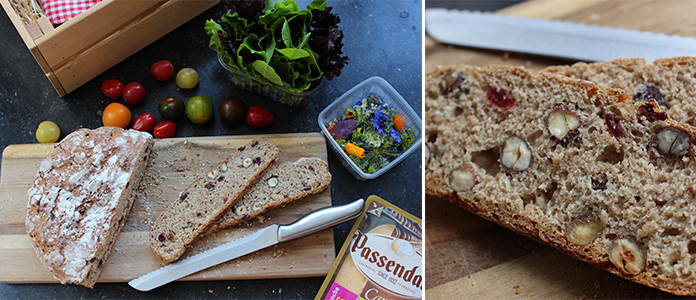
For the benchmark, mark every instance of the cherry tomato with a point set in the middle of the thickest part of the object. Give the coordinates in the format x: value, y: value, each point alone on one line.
x: 199, y: 109
x: 145, y: 122
x: 134, y: 92
x: 116, y: 114
x: 112, y: 88
x: 162, y: 70
x: 48, y: 132
x: 165, y: 129
x: 232, y: 110
x: 172, y: 108
x: 258, y: 116
x: 187, y: 78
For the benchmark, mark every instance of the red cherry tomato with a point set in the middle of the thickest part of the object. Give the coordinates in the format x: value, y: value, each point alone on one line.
x: 145, y: 122
x: 134, y: 92
x: 162, y: 70
x: 166, y: 129
x: 258, y: 116
x: 112, y: 88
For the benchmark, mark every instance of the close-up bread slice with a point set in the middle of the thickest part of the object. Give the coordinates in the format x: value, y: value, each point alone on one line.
x: 208, y: 197
x: 569, y: 163
x: 670, y: 81
x: 81, y: 195
x: 280, y: 184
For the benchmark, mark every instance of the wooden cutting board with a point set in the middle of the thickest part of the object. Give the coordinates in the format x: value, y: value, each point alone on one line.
x: 475, y: 259
x: 179, y: 161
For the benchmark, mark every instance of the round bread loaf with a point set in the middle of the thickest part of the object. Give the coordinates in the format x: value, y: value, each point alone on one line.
x: 81, y: 195
x: 572, y: 164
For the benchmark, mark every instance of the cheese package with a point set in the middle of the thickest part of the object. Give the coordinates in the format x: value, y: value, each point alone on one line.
x: 381, y: 259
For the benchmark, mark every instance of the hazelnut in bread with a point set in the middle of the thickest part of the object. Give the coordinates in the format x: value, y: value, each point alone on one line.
x: 567, y: 162
x: 81, y: 195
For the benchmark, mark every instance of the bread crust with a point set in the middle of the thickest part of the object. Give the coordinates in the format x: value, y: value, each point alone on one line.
x: 463, y: 127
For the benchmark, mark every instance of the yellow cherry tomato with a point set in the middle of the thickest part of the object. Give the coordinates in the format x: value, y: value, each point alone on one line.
x: 117, y: 115
x: 48, y: 132
x: 187, y: 78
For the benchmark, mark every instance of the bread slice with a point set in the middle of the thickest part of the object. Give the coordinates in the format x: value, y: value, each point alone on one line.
x: 207, y: 198
x: 574, y: 165
x: 670, y: 81
x: 81, y: 195
x: 281, y: 184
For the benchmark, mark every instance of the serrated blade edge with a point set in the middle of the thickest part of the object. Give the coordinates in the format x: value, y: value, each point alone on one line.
x: 258, y: 240
x: 551, y: 37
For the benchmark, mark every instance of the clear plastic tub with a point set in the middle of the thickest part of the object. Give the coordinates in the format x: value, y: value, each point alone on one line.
x: 386, y: 93
x: 280, y: 94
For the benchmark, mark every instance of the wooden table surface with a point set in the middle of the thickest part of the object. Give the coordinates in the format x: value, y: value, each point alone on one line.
x: 476, y: 259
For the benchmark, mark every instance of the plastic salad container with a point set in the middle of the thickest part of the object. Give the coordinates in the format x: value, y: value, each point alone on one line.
x: 280, y: 94
x: 386, y: 93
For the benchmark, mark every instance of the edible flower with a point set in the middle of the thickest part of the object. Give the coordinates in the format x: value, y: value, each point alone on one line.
x: 355, y: 150
x: 372, y: 133
x: 398, y: 122
x: 349, y: 114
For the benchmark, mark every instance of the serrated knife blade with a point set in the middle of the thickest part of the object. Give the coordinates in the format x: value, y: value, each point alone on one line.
x: 266, y: 237
x: 551, y: 38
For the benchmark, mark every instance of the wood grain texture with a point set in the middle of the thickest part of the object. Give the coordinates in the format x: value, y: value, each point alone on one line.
x: 92, y: 61
x: 179, y: 161
x: 475, y: 259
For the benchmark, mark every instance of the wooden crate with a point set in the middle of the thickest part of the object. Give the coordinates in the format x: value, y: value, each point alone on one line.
x: 100, y: 37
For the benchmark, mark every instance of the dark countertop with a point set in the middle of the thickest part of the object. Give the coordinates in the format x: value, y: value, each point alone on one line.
x: 382, y: 38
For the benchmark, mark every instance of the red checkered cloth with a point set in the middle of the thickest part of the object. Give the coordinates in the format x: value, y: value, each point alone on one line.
x: 59, y: 11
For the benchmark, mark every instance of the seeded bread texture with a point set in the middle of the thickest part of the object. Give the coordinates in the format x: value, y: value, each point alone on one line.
x: 208, y: 197
x: 615, y: 191
x: 81, y: 195
x: 280, y: 184
x: 670, y: 80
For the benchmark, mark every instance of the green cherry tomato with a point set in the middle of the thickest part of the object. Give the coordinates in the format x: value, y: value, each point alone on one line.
x: 172, y: 108
x: 48, y: 132
x: 232, y: 110
x: 187, y: 78
x: 199, y: 109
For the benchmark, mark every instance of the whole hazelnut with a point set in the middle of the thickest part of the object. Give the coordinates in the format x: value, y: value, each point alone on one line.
x: 462, y: 178
x: 561, y: 121
x: 627, y: 255
x: 516, y: 154
x: 671, y: 142
x: 583, y: 230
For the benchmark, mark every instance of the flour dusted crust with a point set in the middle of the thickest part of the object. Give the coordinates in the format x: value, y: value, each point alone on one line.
x: 81, y: 195
x: 281, y: 184
x: 673, y: 77
x: 208, y: 197
x: 636, y: 200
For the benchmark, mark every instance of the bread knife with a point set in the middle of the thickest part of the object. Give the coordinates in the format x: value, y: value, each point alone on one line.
x: 266, y: 237
x: 551, y: 38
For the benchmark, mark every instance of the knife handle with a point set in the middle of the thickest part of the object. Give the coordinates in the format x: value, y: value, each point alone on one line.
x: 319, y: 220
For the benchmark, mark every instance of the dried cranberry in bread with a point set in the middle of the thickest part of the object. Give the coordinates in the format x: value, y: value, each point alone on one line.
x: 670, y: 81
x: 577, y: 166
x: 81, y: 195
x: 280, y: 185
x: 208, y: 197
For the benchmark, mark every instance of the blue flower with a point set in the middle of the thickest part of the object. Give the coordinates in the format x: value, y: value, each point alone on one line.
x: 396, y: 135
x: 380, y: 119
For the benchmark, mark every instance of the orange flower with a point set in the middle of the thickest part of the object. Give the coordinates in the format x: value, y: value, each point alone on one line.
x: 398, y: 123
x: 355, y: 150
